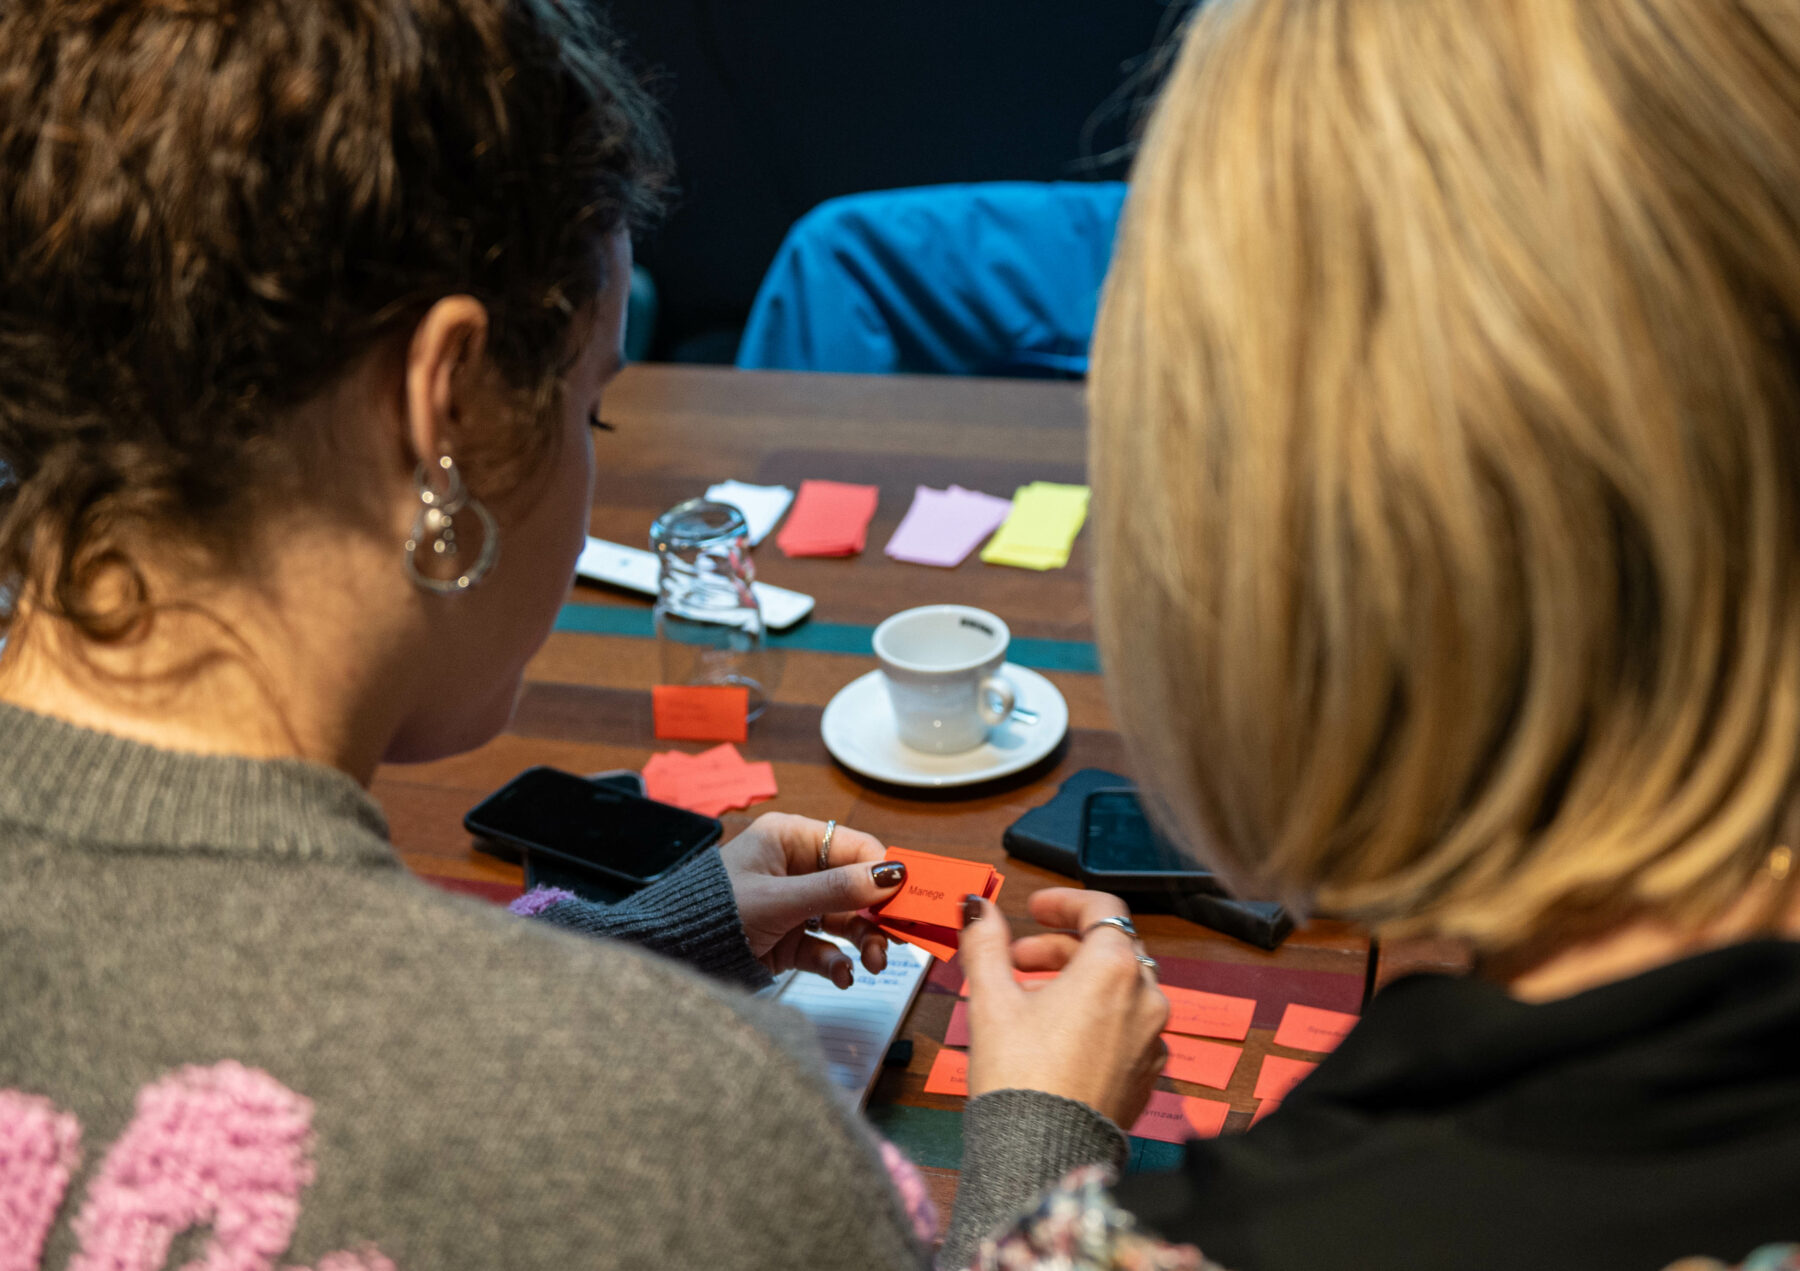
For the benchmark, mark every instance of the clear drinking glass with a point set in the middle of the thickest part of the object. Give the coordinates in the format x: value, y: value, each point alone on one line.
x: 709, y: 626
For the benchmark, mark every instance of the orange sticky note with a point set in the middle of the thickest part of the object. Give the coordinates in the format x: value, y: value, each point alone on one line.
x: 1280, y: 1075
x: 1264, y: 1108
x: 1034, y: 979
x: 829, y: 518
x: 1203, y: 1063
x: 701, y: 712
x: 1208, y: 1014
x: 709, y: 783
x: 1174, y: 1118
x: 935, y: 888
x: 934, y: 940
x: 949, y: 1073
x: 1310, y: 1028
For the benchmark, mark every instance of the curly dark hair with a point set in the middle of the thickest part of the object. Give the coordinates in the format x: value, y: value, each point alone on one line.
x: 210, y: 208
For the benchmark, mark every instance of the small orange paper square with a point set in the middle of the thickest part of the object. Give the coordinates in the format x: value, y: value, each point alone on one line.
x: 1201, y: 1062
x: 949, y: 1073
x: 1310, y: 1028
x: 1174, y: 1118
x: 701, y: 712
x: 1208, y: 1014
x: 1280, y: 1075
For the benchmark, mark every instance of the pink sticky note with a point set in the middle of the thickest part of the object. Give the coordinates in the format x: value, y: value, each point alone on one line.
x: 949, y: 1073
x: 1208, y: 1014
x: 1201, y: 1062
x: 1173, y: 1118
x: 829, y: 518
x: 1279, y: 1075
x: 943, y: 526
x: 1309, y: 1028
x: 957, y: 1034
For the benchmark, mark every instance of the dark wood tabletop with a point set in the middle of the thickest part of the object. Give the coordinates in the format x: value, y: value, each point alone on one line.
x: 586, y: 703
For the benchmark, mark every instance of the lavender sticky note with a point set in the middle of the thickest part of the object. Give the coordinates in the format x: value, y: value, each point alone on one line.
x: 943, y: 526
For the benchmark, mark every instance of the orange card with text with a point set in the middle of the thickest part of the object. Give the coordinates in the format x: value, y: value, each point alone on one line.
x: 1208, y: 1014
x: 949, y: 1073
x: 934, y: 890
x: 1174, y: 1118
x: 1309, y: 1028
x: 1280, y: 1075
x: 1201, y: 1062
x: 701, y: 712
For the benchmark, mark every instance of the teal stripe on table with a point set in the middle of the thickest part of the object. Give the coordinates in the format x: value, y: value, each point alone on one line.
x: 932, y: 1137
x: 1076, y: 656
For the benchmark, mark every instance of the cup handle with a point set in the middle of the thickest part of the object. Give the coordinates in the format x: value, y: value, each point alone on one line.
x: 995, y: 698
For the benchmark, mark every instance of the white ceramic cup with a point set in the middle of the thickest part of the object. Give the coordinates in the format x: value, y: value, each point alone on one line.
x: 940, y: 662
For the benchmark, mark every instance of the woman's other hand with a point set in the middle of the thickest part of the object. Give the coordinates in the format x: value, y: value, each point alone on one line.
x: 1093, y: 1034
x: 775, y: 876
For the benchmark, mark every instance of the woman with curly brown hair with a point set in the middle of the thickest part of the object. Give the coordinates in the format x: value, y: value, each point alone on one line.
x: 305, y: 307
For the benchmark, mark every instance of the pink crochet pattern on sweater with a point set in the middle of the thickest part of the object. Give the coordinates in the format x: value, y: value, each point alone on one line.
x: 40, y: 1149
x: 225, y: 1147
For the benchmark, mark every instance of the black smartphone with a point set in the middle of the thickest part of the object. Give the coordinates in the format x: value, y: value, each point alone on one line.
x: 1121, y: 851
x: 590, y: 827
x: 627, y: 779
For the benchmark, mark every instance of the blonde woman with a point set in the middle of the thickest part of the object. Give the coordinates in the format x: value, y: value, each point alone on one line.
x: 1447, y: 448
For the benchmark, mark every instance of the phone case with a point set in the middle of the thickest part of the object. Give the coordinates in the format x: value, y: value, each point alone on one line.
x: 1050, y: 834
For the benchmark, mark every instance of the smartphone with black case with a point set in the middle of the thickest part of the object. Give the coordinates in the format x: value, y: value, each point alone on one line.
x: 629, y: 780
x: 591, y: 829
x: 1121, y: 851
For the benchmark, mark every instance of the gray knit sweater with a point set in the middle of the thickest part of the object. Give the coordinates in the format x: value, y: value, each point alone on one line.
x: 227, y: 1014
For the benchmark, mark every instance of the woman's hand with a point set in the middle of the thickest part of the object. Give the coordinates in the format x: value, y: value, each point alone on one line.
x: 1092, y: 1034
x: 775, y: 876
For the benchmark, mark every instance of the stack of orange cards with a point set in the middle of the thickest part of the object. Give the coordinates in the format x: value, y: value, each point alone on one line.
x: 928, y: 910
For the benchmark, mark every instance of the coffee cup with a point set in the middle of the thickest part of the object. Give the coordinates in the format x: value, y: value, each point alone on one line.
x: 940, y: 663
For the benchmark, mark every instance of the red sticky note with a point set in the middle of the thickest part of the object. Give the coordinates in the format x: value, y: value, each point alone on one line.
x: 701, y: 712
x: 935, y: 888
x: 829, y: 518
x: 1203, y: 1063
x: 957, y: 1034
x: 709, y: 783
x: 1309, y: 1028
x: 1173, y: 1118
x: 1208, y: 1014
x: 1264, y: 1108
x: 949, y: 1073
x: 1280, y: 1075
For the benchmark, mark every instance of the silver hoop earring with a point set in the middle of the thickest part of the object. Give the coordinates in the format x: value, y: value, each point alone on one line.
x: 442, y: 499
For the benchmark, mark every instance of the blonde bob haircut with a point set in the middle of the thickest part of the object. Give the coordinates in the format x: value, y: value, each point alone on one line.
x: 1445, y: 439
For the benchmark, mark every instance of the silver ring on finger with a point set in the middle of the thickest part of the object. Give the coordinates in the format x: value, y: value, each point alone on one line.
x: 1118, y: 921
x: 817, y: 922
x: 1148, y: 963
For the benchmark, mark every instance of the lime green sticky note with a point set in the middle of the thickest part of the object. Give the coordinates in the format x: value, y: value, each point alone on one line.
x: 1042, y: 527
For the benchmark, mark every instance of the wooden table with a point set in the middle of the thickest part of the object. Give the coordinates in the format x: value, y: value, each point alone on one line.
x: 586, y: 704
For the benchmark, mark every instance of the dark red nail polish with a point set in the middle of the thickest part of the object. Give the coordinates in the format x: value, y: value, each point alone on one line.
x: 971, y: 908
x: 888, y: 874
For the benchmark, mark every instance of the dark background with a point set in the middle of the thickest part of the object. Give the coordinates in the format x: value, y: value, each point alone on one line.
x: 778, y: 105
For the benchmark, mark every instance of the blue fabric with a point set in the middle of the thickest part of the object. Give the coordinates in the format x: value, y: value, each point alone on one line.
x: 989, y: 279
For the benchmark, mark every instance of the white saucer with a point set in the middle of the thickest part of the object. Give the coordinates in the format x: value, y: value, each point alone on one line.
x: 859, y: 732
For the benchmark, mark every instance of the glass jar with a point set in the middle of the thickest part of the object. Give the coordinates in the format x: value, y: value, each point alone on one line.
x: 709, y: 626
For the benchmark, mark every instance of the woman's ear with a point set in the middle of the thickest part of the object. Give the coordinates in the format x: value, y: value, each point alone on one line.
x: 444, y: 364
